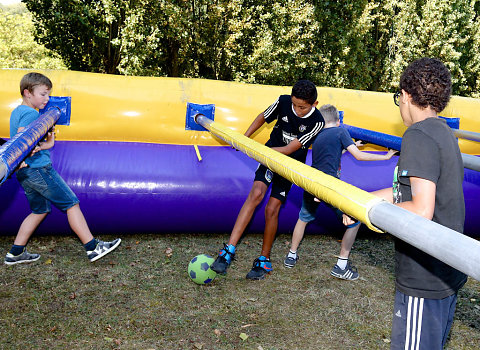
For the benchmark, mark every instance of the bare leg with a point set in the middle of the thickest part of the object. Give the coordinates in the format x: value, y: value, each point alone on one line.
x: 246, y: 212
x: 79, y: 224
x: 348, y: 240
x: 28, y: 226
x: 271, y: 223
x: 298, y: 233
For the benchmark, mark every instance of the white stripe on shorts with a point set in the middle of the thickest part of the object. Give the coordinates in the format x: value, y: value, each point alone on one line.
x: 414, y: 323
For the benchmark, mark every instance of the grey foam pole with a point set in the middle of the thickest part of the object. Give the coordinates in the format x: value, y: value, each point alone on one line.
x: 471, y: 162
x: 467, y: 135
x: 451, y: 247
x: 3, y: 170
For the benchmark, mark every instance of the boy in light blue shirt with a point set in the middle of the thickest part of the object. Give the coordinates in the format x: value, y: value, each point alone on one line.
x: 43, y: 186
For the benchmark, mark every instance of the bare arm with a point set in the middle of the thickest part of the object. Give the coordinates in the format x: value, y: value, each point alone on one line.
x: 360, y: 155
x: 422, y: 203
x: 290, y: 148
x: 423, y: 197
x: 256, y: 124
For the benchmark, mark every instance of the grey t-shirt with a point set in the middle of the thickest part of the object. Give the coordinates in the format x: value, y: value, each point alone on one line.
x: 430, y: 151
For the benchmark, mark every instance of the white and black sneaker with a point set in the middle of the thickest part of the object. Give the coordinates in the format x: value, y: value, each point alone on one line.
x: 25, y: 257
x: 290, y: 260
x: 102, y: 249
x: 350, y: 272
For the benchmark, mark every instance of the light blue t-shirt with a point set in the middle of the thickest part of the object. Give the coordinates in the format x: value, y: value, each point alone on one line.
x: 22, y: 116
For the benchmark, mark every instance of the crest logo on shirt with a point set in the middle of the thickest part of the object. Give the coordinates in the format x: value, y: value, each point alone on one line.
x: 268, y: 175
x: 285, y: 119
x: 302, y: 128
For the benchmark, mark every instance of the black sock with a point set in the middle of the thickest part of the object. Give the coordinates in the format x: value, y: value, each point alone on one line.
x: 91, y: 245
x: 17, y: 249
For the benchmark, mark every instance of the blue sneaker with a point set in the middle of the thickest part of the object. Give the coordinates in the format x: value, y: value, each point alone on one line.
x: 261, y: 267
x: 224, y: 259
x: 350, y: 272
x: 25, y: 257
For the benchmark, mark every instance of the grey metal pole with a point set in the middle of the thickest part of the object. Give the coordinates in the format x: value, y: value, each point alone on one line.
x: 451, y: 247
x: 467, y: 135
x: 471, y: 162
x: 3, y: 171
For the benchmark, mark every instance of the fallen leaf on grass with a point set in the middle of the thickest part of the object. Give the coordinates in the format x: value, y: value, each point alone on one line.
x: 117, y: 341
x: 248, y: 325
x: 386, y: 340
x: 73, y: 296
x: 217, y: 332
x: 198, y: 346
x: 243, y: 336
x: 53, y: 329
x: 168, y: 252
x: 48, y: 261
x: 108, y: 339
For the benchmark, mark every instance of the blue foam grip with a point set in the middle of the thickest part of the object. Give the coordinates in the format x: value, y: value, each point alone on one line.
x: 14, y: 151
x: 377, y: 138
x: 208, y: 110
x: 63, y: 103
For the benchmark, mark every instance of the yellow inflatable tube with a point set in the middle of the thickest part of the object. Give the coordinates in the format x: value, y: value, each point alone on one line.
x: 151, y: 109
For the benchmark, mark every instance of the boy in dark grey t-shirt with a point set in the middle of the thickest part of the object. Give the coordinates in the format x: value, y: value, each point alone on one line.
x: 427, y: 181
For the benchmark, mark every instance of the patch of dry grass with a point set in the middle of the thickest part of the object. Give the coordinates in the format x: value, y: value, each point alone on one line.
x: 140, y: 297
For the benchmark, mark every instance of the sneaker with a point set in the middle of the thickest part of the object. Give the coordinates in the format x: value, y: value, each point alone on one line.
x: 223, y: 261
x: 261, y: 267
x: 290, y: 261
x: 102, y: 249
x: 350, y: 273
x: 25, y: 257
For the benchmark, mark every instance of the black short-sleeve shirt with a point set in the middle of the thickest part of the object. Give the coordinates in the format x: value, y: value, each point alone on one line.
x: 430, y: 151
x: 290, y: 127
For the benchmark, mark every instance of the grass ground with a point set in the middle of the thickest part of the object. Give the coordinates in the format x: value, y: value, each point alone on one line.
x: 140, y: 297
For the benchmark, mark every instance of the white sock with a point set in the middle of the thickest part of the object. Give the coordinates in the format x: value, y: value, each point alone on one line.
x: 292, y: 254
x: 342, y: 263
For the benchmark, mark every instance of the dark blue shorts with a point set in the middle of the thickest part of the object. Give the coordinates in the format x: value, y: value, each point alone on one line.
x: 43, y: 187
x: 280, y: 186
x: 309, y: 208
x: 420, y: 323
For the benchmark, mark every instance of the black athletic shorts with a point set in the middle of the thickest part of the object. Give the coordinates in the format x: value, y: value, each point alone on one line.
x: 280, y: 185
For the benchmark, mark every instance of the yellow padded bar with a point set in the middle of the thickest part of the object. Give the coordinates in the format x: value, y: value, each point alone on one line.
x: 349, y: 199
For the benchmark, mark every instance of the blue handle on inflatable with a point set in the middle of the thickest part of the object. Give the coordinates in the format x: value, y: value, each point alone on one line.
x: 64, y: 104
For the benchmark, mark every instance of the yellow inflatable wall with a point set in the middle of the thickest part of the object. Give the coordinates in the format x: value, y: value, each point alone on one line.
x: 149, y: 109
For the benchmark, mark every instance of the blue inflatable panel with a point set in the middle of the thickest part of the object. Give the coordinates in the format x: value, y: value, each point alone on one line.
x: 153, y: 188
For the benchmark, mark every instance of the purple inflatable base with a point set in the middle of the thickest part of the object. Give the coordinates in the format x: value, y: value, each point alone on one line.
x: 127, y: 188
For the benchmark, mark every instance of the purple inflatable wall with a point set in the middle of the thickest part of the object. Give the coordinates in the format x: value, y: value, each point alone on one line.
x: 151, y: 188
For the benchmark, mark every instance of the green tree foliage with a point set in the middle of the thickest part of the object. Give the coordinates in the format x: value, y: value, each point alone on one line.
x: 82, y: 32
x: 359, y: 44
x: 18, y: 48
x: 446, y: 29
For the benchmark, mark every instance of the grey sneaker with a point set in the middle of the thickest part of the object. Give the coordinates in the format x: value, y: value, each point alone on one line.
x: 289, y: 261
x: 102, y: 249
x: 25, y: 257
x: 350, y: 273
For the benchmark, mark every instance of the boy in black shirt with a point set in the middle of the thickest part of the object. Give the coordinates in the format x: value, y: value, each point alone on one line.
x: 297, y: 124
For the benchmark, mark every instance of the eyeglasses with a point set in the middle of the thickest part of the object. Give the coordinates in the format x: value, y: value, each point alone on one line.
x: 396, y: 97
